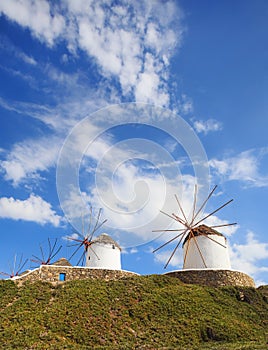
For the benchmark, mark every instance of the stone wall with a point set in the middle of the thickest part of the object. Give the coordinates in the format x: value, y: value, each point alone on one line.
x: 51, y: 273
x: 213, y: 278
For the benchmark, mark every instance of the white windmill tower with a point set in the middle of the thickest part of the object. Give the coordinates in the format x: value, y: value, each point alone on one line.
x: 203, y: 247
x: 107, y: 253
x: 102, y: 252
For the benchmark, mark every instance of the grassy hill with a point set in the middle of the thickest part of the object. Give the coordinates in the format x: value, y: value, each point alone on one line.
x: 142, y: 312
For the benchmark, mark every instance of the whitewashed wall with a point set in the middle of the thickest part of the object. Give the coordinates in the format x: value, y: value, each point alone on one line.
x: 108, y: 256
x: 215, y: 255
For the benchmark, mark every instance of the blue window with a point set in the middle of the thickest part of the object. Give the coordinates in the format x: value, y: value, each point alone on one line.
x: 62, y: 276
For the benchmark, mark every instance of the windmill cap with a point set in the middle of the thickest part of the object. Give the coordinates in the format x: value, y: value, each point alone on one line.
x: 202, y: 230
x: 104, y: 238
x: 62, y: 262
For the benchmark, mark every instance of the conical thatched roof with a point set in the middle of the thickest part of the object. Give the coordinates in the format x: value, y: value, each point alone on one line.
x: 104, y: 238
x: 62, y: 262
x: 202, y: 230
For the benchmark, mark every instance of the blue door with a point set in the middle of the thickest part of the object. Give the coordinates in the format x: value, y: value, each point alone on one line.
x: 62, y: 277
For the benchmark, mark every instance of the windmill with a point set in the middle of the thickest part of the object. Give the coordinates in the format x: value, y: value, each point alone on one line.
x: 107, y: 254
x: 84, y: 239
x: 197, y: 238
x: 46, y: 257
x: 16, y: 269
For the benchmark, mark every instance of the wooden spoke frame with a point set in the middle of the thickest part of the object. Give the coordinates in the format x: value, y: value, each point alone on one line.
x: 85, y: 239
x: 46, y: 259
x: 16, y: 269
x: 190, y: 225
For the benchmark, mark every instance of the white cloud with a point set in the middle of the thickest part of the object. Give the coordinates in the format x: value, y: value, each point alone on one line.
x: 120, y: 182
x: 61, y: 118
x: 242, y: 167
x: 33, y: 209
x: 247, y: 257
x: 131, y: 41
x: 133, y: 251
x: 206, y: 126
x: 150, y: 86
x: 129, y: 251
x: 17, y: 73
x: 186, y: 104
x: 11, y: 50
x: 72, y: 236
x: 74, y: 208
x: 161, y: 257
x: 29, y: 157
x: 215, y: 221
x: 36, y: 16
x: 126, y: 190
x: 125, y: 46
x: 117, y: 178
x: 28, y: 59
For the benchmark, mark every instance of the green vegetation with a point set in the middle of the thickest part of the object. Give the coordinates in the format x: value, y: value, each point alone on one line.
x: 142, y: 312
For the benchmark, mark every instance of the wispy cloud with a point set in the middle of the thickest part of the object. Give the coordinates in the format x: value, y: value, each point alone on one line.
x: 130, y: 45
x: 248, y: 257
x: 134, y: 49
x: 129, y: 42
x: 126, y: 189
x: 33, y: 209
x: 186, y: 105
x: 62, y: 117
x: 70, y: 237
x: 137, y: 196
x: 17, y: 74
x: 163, y: 257
x: 13, y: 51
x: 28, y: 59
x: 28, y: 158
x: 245, y: 167
x: 206, y: 126
x: 36, y: 16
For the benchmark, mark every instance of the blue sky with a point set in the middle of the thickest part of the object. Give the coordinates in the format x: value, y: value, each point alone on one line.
x: 70, y: 75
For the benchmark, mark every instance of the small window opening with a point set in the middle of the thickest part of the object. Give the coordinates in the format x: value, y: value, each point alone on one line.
x: 113, y: 246
x: 62, y: 277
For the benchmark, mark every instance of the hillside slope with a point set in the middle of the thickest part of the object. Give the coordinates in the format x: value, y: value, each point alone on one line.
x: 142, y: 312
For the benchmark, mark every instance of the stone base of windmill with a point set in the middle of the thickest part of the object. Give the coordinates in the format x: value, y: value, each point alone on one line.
x: 207, y: 247
x: 213, y: 277
x: 62, y: 271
